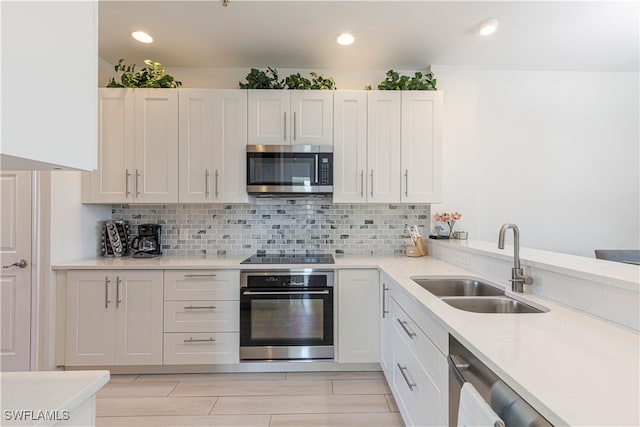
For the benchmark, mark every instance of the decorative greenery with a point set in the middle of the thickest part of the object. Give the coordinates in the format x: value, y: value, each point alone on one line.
x: 420, y: 81
x: 258, y: 79
x: 318, y: 81
x: 151, y: 76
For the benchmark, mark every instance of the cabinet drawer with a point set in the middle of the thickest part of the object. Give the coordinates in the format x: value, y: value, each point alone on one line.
x: 185, y: 285
x: 201, y: 316
x: 424, y: 366
x: 201, y: 348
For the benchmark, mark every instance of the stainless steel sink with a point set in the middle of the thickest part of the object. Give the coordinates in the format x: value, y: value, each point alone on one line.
x: 490, y: 305
x: 458, y: 287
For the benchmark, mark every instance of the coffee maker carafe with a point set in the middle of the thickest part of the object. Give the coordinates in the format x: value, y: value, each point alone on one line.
x: 147, y: 243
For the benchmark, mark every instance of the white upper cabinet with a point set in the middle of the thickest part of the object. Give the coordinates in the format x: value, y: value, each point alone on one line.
x: 196, y: 145
x: 230, y: 146
x: 383, y: 146
x: 290, y: 117
x: 156, y: 145
x: 350, y: 147
x: 388, y: 146
x: 213, y: 139
x: 421, y: 147
x: 137, y: 148
x: 111, y: 182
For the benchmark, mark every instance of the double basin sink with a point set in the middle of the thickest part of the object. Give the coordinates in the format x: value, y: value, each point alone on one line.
x: 474, y: 295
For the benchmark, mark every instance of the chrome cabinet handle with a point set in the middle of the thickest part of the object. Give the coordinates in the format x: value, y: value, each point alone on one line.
x: 137, y: 186
x: 118, y: 300
x: 106, y: 292
x: 126, y: 182
x: 188, y: 276
x: 409, y: 382
x: 196, y: 307
x: 287, y: 293
x: 406, y: 182
x: 206, y: 183
x: 20, y: 263
x: 217, y: 183
x: 316, y: 162
x: 294, y: 127
x: 362, y: 183
x: 371, y: 182
x: 285, y: 125
x: 406, y: 328
x: 200, y: 340
x: 384, y: 303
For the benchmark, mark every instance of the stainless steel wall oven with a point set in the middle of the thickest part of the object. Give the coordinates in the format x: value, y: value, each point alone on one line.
x: 286, y: 314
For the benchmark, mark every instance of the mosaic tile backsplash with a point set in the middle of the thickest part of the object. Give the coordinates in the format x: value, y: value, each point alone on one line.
x: 278, y: 225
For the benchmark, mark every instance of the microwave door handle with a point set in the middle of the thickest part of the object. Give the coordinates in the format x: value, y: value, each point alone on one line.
x: 316, y: 163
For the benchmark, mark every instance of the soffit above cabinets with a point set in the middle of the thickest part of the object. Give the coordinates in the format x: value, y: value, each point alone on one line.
x: 404, y: 35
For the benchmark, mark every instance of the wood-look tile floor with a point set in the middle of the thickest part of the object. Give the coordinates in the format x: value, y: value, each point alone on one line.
x: 308, y: 399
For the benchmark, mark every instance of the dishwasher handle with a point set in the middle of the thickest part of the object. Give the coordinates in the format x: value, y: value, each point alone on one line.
x: 457, y: 365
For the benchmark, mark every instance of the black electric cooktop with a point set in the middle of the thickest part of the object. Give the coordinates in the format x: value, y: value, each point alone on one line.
x: 290, y: 258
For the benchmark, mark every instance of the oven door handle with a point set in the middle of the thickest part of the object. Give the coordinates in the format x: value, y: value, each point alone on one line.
x: 286, y: 293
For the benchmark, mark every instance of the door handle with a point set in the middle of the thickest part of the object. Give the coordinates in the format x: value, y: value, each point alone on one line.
x: 372, y: 183
x: 384, y: 304
x: 118, y: 300
x: 406, y: 182
x: 294, y: 125
x: 362, y: 184
x: 285, y: 125
x: 126, y: 182
x: 197, y: 307
x: 106, y: 292
x: 287, y: 293
x: 190, y: 276
x: 137, y: 186
x: 217, y: 183
x: 200, y: 340
x: 20, y: 263
x: 409, y: 381
x: 206, y: 183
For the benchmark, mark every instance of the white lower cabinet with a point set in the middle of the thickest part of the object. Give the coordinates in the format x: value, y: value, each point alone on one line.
x: 419, y: 373
x: 386, y: 327
x: 201, y: 317
x: 358, y: 316
x: 113, y: 318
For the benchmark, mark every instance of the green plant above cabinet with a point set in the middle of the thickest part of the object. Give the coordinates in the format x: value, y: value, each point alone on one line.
x: 419, y: 81
x: 269, y: 79
x: 151, y: 76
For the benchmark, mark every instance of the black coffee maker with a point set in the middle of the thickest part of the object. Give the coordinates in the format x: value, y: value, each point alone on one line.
x: 147, y: 243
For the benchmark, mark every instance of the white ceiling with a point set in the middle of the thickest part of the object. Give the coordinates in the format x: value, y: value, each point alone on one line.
x: 404, y: 35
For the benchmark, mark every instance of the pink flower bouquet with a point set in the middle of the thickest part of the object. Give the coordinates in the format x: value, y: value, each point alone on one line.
x: 449, y: 218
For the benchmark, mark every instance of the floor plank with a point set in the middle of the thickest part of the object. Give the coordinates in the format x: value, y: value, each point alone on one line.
x: 360, y: 387
x: 155, y: 389
x: 179, y: 421
x: 154, y: 406
x: 337, y: 420
x: 252, y: 388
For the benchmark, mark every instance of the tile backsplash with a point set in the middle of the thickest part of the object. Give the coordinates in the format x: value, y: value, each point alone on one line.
x: 277, y: 224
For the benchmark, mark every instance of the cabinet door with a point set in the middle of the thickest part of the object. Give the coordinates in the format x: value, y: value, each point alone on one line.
x: 112, y: 182
x: 312, y: 117
x: 139, y: 314
x: 383, y: 146
x: 156, y: 145
x: 350, y: 147
x: 230, y: 141
x: 90, y: 318
x: 358, y: 316
x: 196, y: 145
x: 421, y: 163
x: 269, y: 117
x: 386, y: 327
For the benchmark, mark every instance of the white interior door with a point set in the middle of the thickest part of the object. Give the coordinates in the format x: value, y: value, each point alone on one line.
x: 15, y: 279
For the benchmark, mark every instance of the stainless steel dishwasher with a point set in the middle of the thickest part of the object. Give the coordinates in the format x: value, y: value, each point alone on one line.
x: 464, y: 366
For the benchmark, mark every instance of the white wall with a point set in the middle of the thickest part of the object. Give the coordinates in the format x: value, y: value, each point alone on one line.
x: 74, y: 227
x: 554, y: 152
x: 49, y: 75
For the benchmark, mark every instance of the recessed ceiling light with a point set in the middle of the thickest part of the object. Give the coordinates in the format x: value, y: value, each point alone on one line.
x: 345, y: 39
x: 488, y: 26
x: 142, y: 37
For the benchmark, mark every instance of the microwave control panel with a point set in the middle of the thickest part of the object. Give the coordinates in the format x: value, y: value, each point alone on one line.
x: 325, y: 169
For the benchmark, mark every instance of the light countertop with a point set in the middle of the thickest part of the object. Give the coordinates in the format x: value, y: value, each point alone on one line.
x: 574, y: 368
x: 47, y: 391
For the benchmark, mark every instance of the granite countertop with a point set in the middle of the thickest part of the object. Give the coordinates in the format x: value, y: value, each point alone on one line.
x: 574, y: 368
x: 51, y: 391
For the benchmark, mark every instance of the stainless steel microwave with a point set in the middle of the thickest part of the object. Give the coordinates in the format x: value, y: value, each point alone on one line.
x: 289, y: 169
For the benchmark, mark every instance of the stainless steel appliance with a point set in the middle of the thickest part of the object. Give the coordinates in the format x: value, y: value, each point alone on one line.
x: 147, y: 243
x: 464, y: 366
x: 289, y: 169
x: 115, y: 238
x: 286, y: 314
x: 309, y: 257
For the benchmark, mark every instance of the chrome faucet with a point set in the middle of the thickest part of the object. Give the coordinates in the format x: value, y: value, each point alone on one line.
x: 518, y: 279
